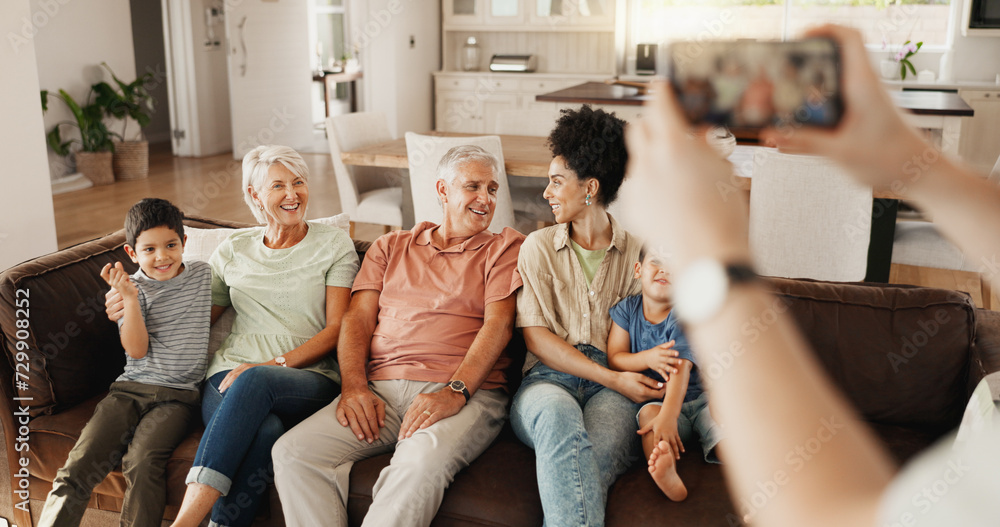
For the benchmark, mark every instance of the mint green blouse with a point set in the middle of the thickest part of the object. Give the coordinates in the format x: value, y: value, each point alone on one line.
x: 279, y: 295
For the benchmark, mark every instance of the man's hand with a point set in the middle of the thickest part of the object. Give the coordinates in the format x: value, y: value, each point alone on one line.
x: 429, y: 408
x: 363, y: 411
x: 664, y: 428
x: 662, y: 359
x: 638, y: 387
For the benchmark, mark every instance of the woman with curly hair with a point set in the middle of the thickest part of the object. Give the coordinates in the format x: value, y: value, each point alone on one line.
x: 575, y: 412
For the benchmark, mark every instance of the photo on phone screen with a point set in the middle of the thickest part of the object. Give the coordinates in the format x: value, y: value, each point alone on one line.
x: 747, y: 84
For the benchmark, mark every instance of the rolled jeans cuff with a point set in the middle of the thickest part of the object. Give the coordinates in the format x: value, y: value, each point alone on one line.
x: 212, y: 478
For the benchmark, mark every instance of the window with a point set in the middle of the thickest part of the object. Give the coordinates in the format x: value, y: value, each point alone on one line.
x: 895, y: 21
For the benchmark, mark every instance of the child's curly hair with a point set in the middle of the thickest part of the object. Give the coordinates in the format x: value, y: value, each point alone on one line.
x: 593, y: 144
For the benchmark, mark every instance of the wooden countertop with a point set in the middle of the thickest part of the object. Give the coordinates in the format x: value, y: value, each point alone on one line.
x: 932, y: 103
x: 918, y: 102
x: 596, y: 93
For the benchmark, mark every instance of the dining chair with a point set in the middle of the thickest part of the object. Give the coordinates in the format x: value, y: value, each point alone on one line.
x: 367, y: 194
x: 424, y: 152
x: 526, y: 192
x: 920, y: 244
x: 808, y: 219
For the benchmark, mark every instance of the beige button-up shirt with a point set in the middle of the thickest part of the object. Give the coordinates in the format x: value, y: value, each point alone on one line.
x: 556, y: 295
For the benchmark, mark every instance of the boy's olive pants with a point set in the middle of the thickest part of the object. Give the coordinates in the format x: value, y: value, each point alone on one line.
x: 138, y: 425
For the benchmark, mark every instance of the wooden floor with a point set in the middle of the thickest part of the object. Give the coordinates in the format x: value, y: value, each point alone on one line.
x: 211, y: 186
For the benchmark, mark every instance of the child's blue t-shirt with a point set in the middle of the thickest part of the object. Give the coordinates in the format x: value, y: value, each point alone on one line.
x: 644, y: 335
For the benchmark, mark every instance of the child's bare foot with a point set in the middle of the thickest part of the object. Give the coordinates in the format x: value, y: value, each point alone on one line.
x: 663, y: 468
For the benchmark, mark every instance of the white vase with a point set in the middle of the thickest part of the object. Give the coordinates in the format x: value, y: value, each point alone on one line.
x: 946, y: 72
x: 890, y: 69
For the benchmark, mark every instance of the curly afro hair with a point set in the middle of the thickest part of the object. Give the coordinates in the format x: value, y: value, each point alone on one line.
x: 593, y: 144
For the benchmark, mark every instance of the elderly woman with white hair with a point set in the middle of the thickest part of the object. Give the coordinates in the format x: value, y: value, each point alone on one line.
x: 289, y: 283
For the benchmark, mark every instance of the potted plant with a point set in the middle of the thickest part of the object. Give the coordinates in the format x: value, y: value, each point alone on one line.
x: 93, y: 158
x: 131, y: 100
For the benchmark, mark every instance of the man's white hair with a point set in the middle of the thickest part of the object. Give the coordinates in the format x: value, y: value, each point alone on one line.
x: 256, y: 165
x: 449, y: 166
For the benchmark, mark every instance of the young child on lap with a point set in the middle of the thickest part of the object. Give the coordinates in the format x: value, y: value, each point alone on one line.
x: 645, y: 337
x: 152, y: 406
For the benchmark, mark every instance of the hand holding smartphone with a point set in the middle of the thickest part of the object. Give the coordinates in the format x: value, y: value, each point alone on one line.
x: 752, y: 85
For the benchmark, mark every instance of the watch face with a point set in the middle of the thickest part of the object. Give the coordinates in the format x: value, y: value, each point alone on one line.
x: 456, y: 385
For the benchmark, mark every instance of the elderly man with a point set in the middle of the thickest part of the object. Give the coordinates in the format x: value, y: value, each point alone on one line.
x: 420, y: 357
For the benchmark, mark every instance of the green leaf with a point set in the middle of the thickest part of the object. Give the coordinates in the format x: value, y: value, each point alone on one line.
x: 910, y: 65
x: 902, y: 70
x: 45, y: 101
x: 55, y: 142
x: 81, y: 119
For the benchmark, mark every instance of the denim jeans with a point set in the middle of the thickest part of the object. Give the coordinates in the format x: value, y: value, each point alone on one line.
x: 241, y: 426
x: 583, y: 435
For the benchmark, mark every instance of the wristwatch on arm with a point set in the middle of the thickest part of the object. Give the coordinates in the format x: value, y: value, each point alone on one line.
x: 459, y: 386
x: 701, y: 290
x: 280, y: 361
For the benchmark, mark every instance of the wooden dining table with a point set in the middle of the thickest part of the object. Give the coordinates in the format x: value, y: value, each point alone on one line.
x: 528, y: 156
x: 522, y: 155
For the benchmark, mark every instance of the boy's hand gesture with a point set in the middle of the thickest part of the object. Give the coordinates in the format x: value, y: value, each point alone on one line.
x: 664, y: 428
x: 662, y: 359
x: 117, y: 278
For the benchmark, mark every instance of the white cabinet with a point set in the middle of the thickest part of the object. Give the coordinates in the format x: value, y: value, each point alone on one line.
x: 529, y: 15
x: 979, y: 145
x: 573, y: 13
x: 470, y: 102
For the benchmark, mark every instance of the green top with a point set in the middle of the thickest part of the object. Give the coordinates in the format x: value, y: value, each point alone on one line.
x: 279, y: 294
x: 589, y: 260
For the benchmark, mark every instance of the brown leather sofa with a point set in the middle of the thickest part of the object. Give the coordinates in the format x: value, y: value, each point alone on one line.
x: 906, y: 357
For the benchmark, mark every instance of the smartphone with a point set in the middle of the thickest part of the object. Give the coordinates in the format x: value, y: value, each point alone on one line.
x: 751, y: 85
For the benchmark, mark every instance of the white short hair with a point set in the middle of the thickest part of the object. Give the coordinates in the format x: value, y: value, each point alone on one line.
x: 258, y: 162
x: 460, y: 155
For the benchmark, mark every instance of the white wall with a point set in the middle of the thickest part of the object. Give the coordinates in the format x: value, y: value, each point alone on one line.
x: 397, y: 78
x: 70, y: 46
x: 27, y: 223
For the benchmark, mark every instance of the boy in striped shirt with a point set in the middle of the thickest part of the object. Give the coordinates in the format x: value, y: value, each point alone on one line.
x: 152, y: 406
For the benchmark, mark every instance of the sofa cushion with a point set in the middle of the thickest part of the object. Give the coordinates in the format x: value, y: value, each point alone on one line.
x: 66, y: 312
x: 900, y: 354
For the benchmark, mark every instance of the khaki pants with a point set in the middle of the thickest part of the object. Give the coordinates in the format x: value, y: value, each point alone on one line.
x: 312, y: 462
x: 138, y: 425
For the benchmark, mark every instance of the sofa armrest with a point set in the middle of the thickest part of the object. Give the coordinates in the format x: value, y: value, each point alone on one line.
x: 987, y: 344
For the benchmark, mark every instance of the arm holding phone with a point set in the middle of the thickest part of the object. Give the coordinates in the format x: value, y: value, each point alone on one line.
x: 775, y: 395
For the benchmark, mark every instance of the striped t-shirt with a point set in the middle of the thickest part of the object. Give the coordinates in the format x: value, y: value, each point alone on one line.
x: 177, y: 313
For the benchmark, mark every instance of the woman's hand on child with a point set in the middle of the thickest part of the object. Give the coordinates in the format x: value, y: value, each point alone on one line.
x: 638, y: 387
x: 663, y: 359
x: 664, y: 428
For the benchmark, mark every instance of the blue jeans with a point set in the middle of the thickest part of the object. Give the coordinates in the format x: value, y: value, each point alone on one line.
x: 241, y: 426
x: 583, y: 435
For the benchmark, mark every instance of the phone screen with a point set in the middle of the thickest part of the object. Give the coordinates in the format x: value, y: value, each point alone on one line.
x: 747, y: 84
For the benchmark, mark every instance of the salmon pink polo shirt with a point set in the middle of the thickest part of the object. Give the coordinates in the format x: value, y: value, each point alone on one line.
x: 433, y: 300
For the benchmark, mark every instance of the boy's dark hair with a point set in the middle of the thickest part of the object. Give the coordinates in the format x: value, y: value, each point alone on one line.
x: 642, y: 253
x: 150, y: 213
x: 593, y: 144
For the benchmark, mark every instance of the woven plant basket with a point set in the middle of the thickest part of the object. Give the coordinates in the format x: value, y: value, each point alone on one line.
x: 131, y: 160
x: 96, y: 166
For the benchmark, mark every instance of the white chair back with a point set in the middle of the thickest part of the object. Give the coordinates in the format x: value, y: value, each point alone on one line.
x: 808, y: 219
x: 538, y: 123
x: 349, y: 132
x: 424, y: 152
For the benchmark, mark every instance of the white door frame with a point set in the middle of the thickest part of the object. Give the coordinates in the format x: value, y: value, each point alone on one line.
x: 181, y: 92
